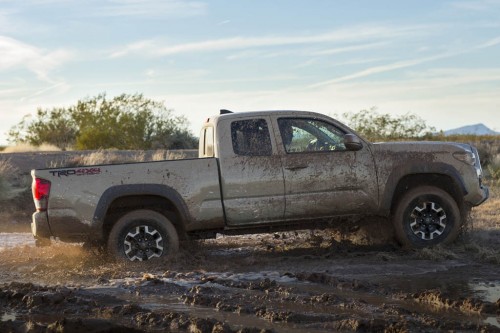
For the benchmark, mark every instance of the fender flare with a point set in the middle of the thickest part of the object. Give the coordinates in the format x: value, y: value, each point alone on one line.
x: 399, y: 173
x: 119, y: 191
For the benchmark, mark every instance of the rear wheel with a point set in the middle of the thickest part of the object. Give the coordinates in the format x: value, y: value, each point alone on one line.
x: 142, y: 235
x: 426, y: 216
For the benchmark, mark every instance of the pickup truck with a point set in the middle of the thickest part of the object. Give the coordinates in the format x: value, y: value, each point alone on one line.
x: 261, y: 172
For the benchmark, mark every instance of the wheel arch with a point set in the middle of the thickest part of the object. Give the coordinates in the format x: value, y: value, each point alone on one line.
x: 447, y: 182
x: 408, y: 175
x: 118, y: 200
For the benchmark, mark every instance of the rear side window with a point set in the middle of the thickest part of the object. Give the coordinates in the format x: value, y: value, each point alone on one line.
x: 207, y: 142
x: 251, y: 137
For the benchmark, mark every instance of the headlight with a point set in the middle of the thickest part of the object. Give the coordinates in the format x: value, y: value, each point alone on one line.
x: 466, y: 157
x: 479, y: 168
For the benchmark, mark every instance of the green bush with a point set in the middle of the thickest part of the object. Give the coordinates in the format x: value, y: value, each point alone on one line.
x: 375, y: 126
x: 122, y: 122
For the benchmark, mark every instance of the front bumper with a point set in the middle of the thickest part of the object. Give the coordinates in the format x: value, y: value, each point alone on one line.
x: 480, y: 196
x: 40, y: 226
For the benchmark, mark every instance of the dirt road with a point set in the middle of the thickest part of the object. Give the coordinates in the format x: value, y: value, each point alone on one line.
x: 286, y: 282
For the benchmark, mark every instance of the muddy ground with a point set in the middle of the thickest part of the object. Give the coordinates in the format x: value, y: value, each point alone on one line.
x: 283, y: 282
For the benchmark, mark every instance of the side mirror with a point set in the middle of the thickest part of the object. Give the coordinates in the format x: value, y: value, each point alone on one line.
x: 352, y: 142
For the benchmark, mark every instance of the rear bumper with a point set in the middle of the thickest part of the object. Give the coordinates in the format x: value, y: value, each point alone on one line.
x: 40, y: 226
x: 63, y: 226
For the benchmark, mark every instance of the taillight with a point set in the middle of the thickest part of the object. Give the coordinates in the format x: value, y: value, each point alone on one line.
x: 41, y: 191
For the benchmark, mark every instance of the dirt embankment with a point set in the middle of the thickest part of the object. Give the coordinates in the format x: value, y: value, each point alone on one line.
x: 287, y: 282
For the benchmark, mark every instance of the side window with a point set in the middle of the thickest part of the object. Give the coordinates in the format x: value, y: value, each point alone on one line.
x: 251, y: 137
x: 209, y: 142
x: 310, y: 135
x: 206, y: 145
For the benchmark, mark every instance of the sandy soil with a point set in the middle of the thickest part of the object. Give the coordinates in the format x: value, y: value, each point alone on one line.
x: 283, y: 282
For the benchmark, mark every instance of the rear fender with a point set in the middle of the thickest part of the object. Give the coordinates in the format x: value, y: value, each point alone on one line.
x: 115, y: 192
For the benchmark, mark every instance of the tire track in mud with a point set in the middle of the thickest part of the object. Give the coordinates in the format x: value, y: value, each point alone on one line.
x: 254, y: 290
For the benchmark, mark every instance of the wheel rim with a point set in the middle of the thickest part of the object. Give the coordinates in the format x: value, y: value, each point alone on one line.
x: 428, y: 220
x: 143, y: 243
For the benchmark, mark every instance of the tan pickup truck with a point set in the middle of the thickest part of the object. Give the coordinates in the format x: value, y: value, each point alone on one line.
x: 261, y: 172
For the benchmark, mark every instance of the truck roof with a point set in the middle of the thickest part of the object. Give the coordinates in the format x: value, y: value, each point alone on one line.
x: 235, y: 115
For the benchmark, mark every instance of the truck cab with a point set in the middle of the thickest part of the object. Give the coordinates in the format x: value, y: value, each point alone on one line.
x: 289, y: 166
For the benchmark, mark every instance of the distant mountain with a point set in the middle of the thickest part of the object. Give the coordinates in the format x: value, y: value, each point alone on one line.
x: 477, y: 129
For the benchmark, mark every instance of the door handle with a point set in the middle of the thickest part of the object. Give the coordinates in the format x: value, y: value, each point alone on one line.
x: 296, y: 167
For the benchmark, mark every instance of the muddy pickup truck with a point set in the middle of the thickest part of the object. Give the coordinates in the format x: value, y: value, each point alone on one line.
x: 261, y: 172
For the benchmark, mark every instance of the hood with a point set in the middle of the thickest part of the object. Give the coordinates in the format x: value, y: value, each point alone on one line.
x: 422, y: 147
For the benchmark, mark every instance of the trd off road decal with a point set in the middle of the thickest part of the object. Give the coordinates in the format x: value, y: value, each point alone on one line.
x: 76, y: 172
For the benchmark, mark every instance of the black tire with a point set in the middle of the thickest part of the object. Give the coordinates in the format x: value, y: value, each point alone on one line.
x: 142, y: 235
x: 426, y: 216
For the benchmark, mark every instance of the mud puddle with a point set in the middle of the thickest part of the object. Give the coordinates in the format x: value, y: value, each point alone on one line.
x: 15, y: 239
x: 248, y: 284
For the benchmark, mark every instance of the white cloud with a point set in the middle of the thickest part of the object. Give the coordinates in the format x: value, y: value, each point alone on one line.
x: 477, y: 5
x: 383, y: 68
x: 352, y: 34
x: 16, y: 54
x: 350, y: 48
x: 134, y: 47
x: 405, y: 64
x: 150, y: 8
x: 490, y: 43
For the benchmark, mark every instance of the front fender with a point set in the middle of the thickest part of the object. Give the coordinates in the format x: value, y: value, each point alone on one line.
x: 415, y: 171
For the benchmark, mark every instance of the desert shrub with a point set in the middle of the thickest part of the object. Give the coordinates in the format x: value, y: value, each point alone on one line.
x: 375, y: 126
x: 122, y: 122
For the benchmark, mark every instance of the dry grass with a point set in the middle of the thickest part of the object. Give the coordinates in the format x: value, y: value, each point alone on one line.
x: 487, y: 216
x: 25, y: 147
x: 484, y: 241
x: 100, y: 157
x: 9, y: 178
x: 492, y: 171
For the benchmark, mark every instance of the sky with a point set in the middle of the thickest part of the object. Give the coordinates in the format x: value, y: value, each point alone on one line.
x: 439, y: 60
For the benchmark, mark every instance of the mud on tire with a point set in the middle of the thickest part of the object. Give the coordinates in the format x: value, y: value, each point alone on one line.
x: 142, y: 235
x: 426, y: 216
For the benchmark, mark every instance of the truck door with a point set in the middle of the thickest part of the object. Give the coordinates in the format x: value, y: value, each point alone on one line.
x: 322, y: 177
x: 252, y: 180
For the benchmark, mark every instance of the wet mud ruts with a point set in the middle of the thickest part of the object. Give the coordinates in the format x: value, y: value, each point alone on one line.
x: 249, y: 284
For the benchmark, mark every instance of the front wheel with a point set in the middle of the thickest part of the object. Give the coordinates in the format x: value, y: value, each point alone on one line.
x: 142, y: 235
x: 426, y: 216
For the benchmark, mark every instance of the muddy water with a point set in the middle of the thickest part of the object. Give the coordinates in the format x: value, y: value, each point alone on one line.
x: 245, y: 284
x: 10, y: 240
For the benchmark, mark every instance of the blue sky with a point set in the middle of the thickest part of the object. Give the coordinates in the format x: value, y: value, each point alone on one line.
x: 437, y: 59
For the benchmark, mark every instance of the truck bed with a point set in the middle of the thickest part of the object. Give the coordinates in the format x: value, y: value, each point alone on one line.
x: 194, y: 181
